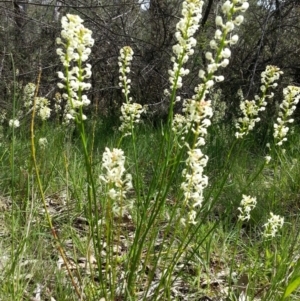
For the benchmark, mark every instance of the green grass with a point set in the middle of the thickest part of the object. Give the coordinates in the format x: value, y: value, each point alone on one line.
x: 220, y: 253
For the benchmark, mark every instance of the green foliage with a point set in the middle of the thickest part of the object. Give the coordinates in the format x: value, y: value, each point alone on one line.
x: 293, y: 285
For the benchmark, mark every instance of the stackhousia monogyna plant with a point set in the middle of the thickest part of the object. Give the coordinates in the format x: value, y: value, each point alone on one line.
x: 144, y: 263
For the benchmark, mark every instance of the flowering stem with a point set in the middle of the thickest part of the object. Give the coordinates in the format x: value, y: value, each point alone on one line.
x: 147, y: 222
x: 92, y: 196
x: 173, y: 93
x: 13, y: 165
x: 233, y: 256
x: 226, y: 172
x: 40, y: 186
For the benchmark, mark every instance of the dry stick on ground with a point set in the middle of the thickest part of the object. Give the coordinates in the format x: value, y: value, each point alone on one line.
x: 2, y: 62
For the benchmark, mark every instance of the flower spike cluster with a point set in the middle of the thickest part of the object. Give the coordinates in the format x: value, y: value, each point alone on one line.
x: 198, y: 111
x: 251, y: 108
x: 221, y: 42
x: 247, y: 205
x: 186, y: 28
x: 76, y: 41
x: 131, y: 112
x: 273, y: 225
x: 42, y: 104
x: 28, y: 95
x: 195, y: 181
x: 125, y: 58
x: 114, y: 177
x: 287, y: 107
x: 220, y: 58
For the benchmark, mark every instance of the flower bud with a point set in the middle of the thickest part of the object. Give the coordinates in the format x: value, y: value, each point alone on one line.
x: 219, y: 78
x: 213, y: 44
x: 244, y: 6
x: 208, y: 56
x: 201, y: 73
x: 226, y: 7
x: 219, y: 21
x: 226, y: 53
x: 224, y: 63
x: 229, y: 26
x: 239, y: 20
x: 218, y: 34
x: 234, y: 39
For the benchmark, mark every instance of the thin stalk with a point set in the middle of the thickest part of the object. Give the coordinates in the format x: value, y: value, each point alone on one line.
x: 233, y: 258
x: 12, y: 160
x: 40, y: 187
x: 92, y: 198
x: 147, y: 223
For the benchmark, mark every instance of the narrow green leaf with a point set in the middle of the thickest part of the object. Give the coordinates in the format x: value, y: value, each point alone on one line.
x: 291, y: 287
x: 268, y: 254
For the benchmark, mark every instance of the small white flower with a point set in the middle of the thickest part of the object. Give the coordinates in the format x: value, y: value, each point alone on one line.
x: 213, y: 44
x: 44, y: 113
x: 201, y: 73
x: 42, y: 107
x: 229, y: 26
x: 43, y: 143
x: 192, y: 216
x: 218, y: 34
x: 179, y: 123
x: 208, y: 56
x: 212, y: 68
x: 226, y: 53
x: 239, y: 20
x: 233, y: 39
x: 61, y: 75
x: 268, y: 159
x: 219, y: 21
x: 226, y: 7
x: 224, y: 63
x: 244, y: 6
x: 14, y: 123
x: 219, y: 78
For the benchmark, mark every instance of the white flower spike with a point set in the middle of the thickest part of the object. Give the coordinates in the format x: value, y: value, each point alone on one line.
x: 76, y: 42
x: 287, y: 108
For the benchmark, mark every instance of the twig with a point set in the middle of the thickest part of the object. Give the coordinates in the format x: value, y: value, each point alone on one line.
x: 2, y: 62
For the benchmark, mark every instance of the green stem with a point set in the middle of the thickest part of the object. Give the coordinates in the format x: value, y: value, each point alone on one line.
x: 12, y: 160
x: 40, y: 187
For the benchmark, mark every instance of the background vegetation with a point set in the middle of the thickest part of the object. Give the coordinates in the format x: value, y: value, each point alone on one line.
x: 269, y: 36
